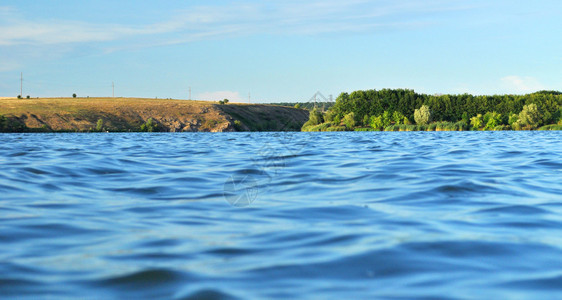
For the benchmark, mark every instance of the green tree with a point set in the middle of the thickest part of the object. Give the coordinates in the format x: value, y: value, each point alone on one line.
x: 397, y: 117
x: 329, y: 116
x: 376, y: 122
x: 337, y: 120
x: 465, y: 118
x: 406, y: 121
x: 366, y: 120
x: 530, y: 116
x: 476, y: 122
x: 422, y: 115
x: 225, y: 101
x: 494, y: 119
x: 513, y: 118
x: 386, y: 119
x: 349, y: 120
x: 74, y: 95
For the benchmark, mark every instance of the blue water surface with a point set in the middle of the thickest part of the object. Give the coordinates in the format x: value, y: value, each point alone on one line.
x: 350, y: 215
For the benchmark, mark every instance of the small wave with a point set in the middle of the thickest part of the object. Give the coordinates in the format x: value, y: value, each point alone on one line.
x: 546, y: 283
x: 524, y: 210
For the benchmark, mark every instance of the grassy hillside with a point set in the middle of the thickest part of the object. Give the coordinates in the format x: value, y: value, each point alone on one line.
x: 132, y: 114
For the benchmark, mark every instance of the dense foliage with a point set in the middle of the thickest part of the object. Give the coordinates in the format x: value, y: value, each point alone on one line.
x: 377, y: 110
x: 450, y: 108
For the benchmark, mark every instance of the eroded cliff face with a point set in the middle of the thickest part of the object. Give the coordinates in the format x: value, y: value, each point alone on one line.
x: 126, y: 114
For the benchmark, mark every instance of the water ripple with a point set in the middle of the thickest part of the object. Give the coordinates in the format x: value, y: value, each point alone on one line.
x: 425, y: 215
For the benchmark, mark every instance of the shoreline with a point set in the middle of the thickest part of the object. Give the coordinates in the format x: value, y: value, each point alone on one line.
x: 143, y: 115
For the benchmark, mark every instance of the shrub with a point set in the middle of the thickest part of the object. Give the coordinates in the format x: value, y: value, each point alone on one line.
x: 422, y: 116
x: 27, y: 97
x: 501, y: 128
x: 392, y: 128
x: 432, y: 127
x: 298, y: 106
x: 319, y: 127
x: 19, y: 96
x: 238, y: 125
x: 149, y: 126
x: 225, y: 101
x: 461, y: 125
x: 476, y: 122
x: 363, y: 129
x: 349, y: 120
x: 99, y: 125
x: 336, y: 128
x: 314, y: 118
x: 74, y: 95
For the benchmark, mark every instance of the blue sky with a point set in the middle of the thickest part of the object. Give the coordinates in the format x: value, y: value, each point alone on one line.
x: 278, y: 50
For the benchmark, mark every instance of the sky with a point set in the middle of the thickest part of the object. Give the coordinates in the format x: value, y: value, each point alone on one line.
x: 278, y: 51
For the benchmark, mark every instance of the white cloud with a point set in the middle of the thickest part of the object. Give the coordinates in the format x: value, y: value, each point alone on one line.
x: 219, y: 95
x: 521, y: 84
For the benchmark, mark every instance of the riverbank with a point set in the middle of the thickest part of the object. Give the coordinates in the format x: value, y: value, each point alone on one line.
x: 141, y: 114
x: 436, y: 126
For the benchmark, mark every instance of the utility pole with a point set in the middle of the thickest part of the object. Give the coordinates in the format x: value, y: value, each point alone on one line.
x: 249, y: 98
x: 21, y: 84
x: 112, y: 89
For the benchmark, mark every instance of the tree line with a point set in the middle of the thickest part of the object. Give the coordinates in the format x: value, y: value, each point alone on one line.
x: 383, y: 108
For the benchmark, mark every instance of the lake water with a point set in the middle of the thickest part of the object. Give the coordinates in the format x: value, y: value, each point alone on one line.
x: 446, y: 215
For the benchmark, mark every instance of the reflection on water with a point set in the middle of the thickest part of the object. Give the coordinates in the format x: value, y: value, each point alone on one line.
x: 281, y: 215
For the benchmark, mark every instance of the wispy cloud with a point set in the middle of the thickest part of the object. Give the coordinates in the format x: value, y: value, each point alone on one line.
x: 521, y: 84
x: 272, y: 17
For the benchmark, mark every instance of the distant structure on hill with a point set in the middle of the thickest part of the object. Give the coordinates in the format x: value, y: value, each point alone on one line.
x: 317, y: 101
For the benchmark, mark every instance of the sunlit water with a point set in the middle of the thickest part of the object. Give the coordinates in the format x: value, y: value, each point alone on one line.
x: 281, y: 216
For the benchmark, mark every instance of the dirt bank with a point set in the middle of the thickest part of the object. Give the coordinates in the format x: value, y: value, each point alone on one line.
x: 129, y: 114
